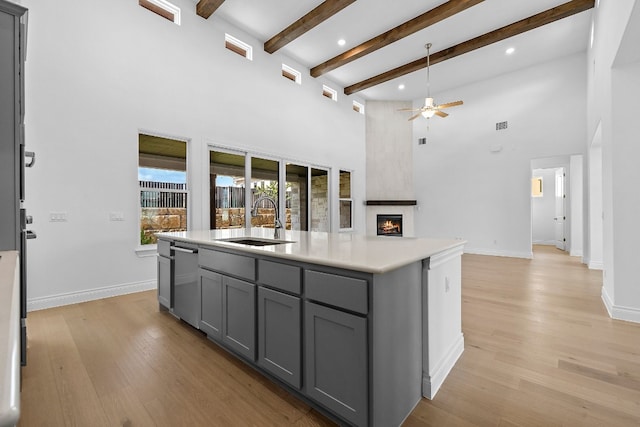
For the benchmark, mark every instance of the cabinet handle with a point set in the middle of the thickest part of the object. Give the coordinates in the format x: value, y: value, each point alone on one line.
x: 186, y: 250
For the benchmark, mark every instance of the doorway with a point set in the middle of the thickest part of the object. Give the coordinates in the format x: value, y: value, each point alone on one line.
x: 548, y: 207
x: 557, y: 212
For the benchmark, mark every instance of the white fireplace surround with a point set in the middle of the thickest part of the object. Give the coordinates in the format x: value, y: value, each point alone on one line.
x: 407, y: 212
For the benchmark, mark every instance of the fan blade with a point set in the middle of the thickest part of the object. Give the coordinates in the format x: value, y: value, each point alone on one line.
x: 414, y: 117
x: 450, y: 104
x: 441, y: 114
x: 409, y: 109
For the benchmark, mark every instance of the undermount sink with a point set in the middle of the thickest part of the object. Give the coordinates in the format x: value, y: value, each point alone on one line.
x: 252, y: 241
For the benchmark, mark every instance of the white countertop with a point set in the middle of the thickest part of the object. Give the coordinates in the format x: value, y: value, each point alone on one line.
x: 9, y: 338
x: 371, y: 254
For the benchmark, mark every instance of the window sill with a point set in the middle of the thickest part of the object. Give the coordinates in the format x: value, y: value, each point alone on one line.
x: 147, y: 251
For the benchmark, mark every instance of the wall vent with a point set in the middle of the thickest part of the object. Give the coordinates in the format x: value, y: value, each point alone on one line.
x: 501, y: 125
x: 422, y: 141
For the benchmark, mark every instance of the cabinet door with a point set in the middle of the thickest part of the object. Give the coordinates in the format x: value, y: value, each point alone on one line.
x: 279, y: 347
x: 211, y: 300
x: 336, y: 361
x: 239, y: 316
x: 165, y: 290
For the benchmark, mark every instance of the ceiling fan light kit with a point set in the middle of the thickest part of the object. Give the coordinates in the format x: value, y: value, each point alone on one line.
x: 430, y: 109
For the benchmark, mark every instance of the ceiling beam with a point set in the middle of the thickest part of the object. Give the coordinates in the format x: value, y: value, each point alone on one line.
x: 324, y: 11
x: 530, y: 23
x: 418, y: 23
x: 205, y: 8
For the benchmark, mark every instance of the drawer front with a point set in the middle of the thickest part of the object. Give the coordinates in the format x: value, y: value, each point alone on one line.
x: 280, y: 276
x: 232, y: 264
x: 164, y: 248
x: 340, y: 291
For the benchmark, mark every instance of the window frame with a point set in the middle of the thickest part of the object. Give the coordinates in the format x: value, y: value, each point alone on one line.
x: 345, y: 199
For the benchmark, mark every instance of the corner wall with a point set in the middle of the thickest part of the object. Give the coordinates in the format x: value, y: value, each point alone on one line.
x: 97, y: 73
x: 472, y: 181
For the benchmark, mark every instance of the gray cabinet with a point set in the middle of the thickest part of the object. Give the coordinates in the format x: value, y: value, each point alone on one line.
x: 211, y: 300
x: 165, y: 290
x: 279, y: 332
x: 239, y: 316
x: 336, y: 370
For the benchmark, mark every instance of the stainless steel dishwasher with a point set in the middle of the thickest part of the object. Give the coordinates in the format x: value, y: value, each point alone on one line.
x: 186, y: 303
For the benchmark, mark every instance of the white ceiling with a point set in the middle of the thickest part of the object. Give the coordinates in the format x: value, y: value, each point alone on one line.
x: 366, y: 19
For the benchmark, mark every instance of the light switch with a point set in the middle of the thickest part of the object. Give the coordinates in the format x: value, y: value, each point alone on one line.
x: 57, y: 217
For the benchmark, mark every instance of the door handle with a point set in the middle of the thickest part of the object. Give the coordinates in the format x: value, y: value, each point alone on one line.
x: 186, y: 250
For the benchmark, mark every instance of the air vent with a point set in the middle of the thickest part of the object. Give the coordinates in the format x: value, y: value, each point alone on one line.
x: 422, y: 141
x: 501, y: 125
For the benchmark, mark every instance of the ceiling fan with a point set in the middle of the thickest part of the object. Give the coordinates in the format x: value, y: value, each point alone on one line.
x: 430, y: 109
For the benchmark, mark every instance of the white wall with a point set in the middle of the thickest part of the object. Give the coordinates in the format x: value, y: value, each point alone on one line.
x: 466, y: 189
x: 544, y: 209
x: 613, y: 91
x: 576, y: 205
x: 99, y: 72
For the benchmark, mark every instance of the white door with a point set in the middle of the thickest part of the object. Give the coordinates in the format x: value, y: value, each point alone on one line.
x: 560, y: 215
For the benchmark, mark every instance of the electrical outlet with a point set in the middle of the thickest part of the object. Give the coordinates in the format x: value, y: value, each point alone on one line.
x: 57, y: 217
x: 116, y: 216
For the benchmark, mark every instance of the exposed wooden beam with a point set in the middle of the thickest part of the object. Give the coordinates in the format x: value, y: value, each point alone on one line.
x: 324, y: 11
x: 205, y: 8
x: 418, y: 23
x: 530, y: 23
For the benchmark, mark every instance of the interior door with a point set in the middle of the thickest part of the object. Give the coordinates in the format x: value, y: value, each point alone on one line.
x: 560, y: 209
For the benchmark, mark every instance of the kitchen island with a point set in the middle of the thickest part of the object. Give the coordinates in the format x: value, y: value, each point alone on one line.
x: 361, y: 327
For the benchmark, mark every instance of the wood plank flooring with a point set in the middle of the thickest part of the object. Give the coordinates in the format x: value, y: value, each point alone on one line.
x: 540, y: 350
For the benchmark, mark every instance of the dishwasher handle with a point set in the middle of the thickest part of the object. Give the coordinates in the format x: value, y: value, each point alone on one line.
x: 186, y: 250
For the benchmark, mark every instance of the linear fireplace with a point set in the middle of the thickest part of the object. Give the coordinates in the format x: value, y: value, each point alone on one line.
x: 389, y: 225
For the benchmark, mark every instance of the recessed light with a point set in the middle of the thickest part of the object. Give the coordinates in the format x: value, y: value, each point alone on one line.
x: 401, y: 86
x: 341, y: 42
x: 510, y: 50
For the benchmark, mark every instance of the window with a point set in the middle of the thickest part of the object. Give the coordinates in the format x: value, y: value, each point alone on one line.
x: 346, y: 202
x: 265, y: 176
x: 297, y: 197
x: 291, y: 74
x: 227, y: 190
x: 162, y: 177
x: 329, y: 93
x: 319, y: 200
x: 239, y: 47
x: 162, y: 8
x: 536, y: 187
x: 358, y: 108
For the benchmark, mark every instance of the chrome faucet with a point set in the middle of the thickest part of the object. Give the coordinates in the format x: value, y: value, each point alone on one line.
x: 277, y: 224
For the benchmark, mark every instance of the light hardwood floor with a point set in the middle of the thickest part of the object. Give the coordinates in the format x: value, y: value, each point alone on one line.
x: 540, y: 350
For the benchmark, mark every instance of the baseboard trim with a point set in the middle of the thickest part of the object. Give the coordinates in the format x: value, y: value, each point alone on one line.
x: 431, y: 383
x: 618, y: 312
x: 544, y: 242
x: 594, y: 265
x: 494, y: 252
x: 89, y: 295
x: 577, y: 252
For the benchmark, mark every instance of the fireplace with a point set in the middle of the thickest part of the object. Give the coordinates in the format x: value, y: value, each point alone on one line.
x: 389, y: 225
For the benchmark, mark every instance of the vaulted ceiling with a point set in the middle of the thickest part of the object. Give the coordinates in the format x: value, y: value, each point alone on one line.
x: 385, y: 40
